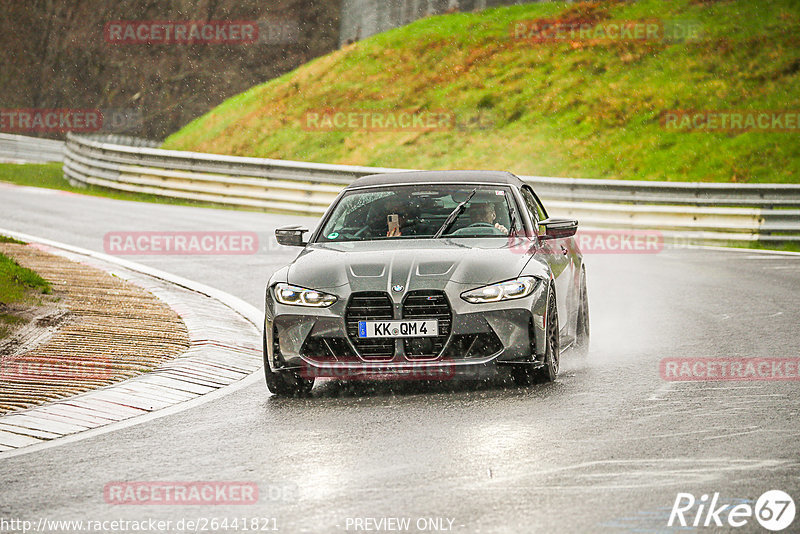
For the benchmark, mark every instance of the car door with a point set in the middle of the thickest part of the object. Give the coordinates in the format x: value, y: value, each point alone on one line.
x: 557, y: 253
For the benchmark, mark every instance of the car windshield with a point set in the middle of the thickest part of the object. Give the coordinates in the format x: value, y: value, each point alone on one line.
x: 415, y: 212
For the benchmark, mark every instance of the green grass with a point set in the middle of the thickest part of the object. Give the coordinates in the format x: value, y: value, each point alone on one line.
x: 783, y: 247
x: 18, y: 285
x: 568, y: 109
x: 38, y: 175
x: 16, y: 281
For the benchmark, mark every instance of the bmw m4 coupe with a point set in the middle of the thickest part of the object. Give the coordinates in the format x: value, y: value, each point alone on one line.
x: 429, y: 275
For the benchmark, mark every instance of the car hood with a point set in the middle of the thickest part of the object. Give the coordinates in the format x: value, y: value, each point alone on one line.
x: 414, y: 264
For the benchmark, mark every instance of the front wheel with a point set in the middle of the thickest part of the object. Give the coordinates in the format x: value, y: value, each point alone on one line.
x: 285, y: 383
x: 552, y: 355
x: 525, y: 374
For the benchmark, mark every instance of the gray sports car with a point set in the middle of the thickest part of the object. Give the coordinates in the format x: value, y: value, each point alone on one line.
x: 427, y: 275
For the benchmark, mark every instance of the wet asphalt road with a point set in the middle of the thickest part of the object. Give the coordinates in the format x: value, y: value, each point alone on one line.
x: 604, y: 449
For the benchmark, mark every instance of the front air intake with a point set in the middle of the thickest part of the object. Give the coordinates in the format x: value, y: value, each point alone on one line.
x: 427, y: 304
x: 370, y: 306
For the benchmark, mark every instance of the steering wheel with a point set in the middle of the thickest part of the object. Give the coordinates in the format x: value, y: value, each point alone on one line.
x: 481, y: 225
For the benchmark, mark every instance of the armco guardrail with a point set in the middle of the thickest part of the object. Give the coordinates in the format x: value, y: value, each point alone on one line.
x: 692, y: 212
x: 24, y: 149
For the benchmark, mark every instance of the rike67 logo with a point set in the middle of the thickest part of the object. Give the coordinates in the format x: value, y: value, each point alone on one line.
x: 774, y: 510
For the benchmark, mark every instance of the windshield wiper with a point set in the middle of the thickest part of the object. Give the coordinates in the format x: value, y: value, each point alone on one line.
x: 453, y: 216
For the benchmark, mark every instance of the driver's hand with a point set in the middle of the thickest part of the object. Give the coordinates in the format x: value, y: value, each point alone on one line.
x: 501, y: 228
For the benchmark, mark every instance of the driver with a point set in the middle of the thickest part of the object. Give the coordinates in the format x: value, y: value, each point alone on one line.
x: 485, y: 213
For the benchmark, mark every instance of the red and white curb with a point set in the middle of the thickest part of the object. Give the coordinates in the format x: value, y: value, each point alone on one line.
x: 224, y: 353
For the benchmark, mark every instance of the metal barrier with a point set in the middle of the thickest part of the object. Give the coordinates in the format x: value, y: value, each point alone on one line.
x: 23, y: 149
x: 689, y: 212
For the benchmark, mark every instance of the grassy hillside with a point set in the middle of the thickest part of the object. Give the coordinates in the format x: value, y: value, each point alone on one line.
x: 572, y: 108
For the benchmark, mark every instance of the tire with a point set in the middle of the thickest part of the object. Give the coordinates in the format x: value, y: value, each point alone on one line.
x: 552, y: 355
x: 524, y: 375
x: 582, y: 328
x: 285, y: 383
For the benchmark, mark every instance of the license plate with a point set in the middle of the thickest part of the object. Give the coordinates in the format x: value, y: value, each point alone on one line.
x: 398, y: 328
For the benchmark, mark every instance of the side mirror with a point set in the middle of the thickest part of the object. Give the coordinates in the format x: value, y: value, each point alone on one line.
x: 558, y: 228
x: 291, y: 236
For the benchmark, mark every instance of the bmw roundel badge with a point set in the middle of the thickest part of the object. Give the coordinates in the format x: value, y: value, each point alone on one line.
x: 398, y: 288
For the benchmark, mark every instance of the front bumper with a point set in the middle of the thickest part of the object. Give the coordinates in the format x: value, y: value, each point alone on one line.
x: 316, y: 342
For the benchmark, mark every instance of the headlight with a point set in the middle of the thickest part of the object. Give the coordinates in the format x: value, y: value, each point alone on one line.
x: 300, y: 296
x: 513, y: 289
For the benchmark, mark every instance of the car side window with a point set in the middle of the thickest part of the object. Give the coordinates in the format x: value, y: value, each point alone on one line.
x: 532, y: 207
x: 533, y: 204
x: 540, y: 209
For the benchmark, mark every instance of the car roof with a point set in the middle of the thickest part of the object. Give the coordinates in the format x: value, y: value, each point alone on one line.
x: 432, y: 177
